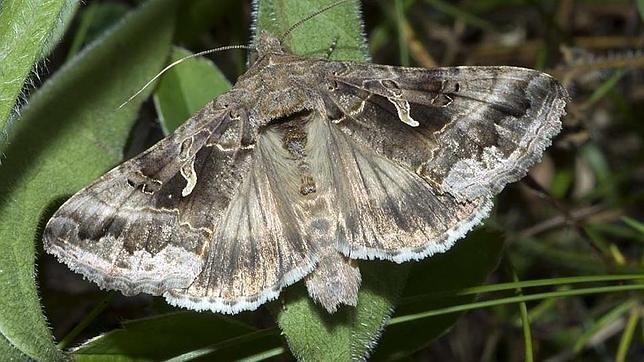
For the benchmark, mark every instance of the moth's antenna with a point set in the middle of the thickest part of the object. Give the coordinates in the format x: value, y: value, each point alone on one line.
x: 286, y: 33
x: 179, y: 61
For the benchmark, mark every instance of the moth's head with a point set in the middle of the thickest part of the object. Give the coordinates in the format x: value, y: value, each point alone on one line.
x: 268, y: 44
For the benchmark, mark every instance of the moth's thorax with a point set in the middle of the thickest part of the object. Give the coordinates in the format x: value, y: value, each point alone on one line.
x: 278, y: 86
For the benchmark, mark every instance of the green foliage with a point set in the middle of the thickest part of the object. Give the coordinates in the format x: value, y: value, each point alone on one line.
x: 166, y: 336
x: 70, y: 133
x: 341, y: 26
x: 8, y: 351
x: 467, y: 264
x: 186, y: 88
x: 28, y: 28
x: 92, y: 21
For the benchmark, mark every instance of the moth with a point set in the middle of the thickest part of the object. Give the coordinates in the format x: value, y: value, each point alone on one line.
x: 304, y: 167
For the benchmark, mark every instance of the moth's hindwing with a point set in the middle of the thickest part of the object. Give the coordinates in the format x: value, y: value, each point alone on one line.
x: 383, y: 210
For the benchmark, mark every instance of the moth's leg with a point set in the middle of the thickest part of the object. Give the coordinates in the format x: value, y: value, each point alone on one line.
x: 332, y: 48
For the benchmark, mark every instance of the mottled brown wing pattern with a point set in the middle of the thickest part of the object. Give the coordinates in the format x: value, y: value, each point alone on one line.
x: 132, y: 229
x: 195, y: 217
x: 467, y: 130
x: 422, y: 152
x: 260, y: 245
x: 383, y: 210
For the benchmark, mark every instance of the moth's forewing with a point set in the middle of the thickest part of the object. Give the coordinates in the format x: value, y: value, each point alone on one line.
x: 421, y: 152
x: 133, y: 229
x: 498, y: 120
x: 203, y: 217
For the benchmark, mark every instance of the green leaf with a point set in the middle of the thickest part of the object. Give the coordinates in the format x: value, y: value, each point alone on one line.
x: 63, y: 22
x: 341, y: 25
x: 186, y: 88
x: 637, y: 225
x: 640, y: 7
x: 26, y: 29
x: 9, y: 352
x: 312, y: 333
x: 92, y: 21
x: 161, y: 337
x: 70, y: 133
x: 466, y: 265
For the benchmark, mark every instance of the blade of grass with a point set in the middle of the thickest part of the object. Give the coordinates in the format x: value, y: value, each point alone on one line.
x: 617, y: 254
x: 543, y: 307
x: 634, y: 224
x: 551, y: 296
x: 523, y: 311
x: 627, y: 336
x: 568, y: 259
x: 176, y: 336
x: 265, y: 355
x: 599, y: 164
x: 619, y: 231
x: 509, y: 300
x: 466, y: 265
x: 89, y: 318
x: 402, y: 36
x: 237, y: 343
x: 605, y: 87
x: 606, y: 319
x: 458, y: 13
x: 525, y: 284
